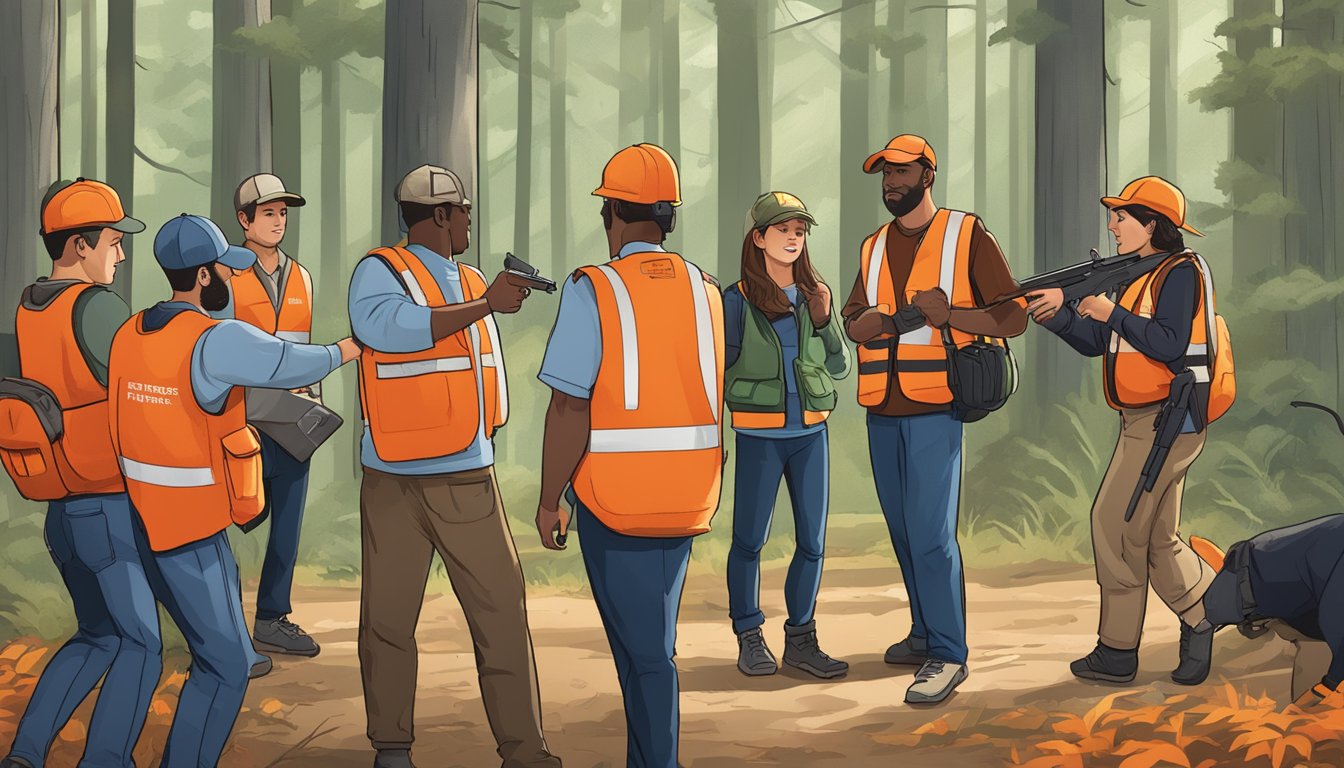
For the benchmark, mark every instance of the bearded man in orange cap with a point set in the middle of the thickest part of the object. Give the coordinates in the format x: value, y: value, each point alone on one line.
x: 947, y: 266
x: 1162, y: 325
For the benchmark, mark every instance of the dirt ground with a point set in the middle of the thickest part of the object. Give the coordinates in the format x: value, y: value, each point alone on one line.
x: 1025, y: 625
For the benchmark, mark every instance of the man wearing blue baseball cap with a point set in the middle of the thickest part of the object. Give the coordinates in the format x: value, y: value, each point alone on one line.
x: 193, y: 465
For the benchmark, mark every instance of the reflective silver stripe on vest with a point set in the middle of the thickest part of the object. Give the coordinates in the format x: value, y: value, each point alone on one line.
x: 298, y: 337
x: 654, y: 439
x: 413, y: 285
x: 625, y: 313
x: 876, y: 258
x: 947, y: 272
x: 1210, y: 319
x: 167, y: 477
x: 422, y: 367
x: 496, y: 355
x: 704, y: 339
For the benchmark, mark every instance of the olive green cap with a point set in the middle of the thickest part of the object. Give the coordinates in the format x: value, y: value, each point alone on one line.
x: 774, y: 207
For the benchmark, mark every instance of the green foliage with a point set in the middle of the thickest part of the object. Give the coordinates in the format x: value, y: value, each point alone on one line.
x: 891, y: 46
x: 1295, y: 291
x: 1234, y: 26
x: 1030, y: 27
x: 1273, y: 73
x: 319, y: 32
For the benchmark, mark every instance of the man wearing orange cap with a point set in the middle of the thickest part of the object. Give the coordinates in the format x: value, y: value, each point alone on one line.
x: 635, y: 365
x: 947, y: 265
x: 65, y: 325
x: 1160, y: 327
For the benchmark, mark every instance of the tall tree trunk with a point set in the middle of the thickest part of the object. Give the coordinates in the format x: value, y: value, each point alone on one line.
x: 287, y: 133
x: 1019, y: 150
x: 120, y: 120
x: 898, y: 26
x: 1313, y: 177
x: 981, y: 131
x: 560, y: 246
x: 332, y: 204
x: 1162, y: 91
x: 429, y: 94
x: 739, y: 125
x: 926, y: 81
x: 88, y: 86
x: 765, y: 99
x: 671, y: 71
x: 1257, y: 141
x: 242, y: 109
x: 653, y: 84
x: 1070, y: 93
x: 523, y: 194
x: 632, y: 125
x: 1115, y: 36
x: 857, y: 190
x: 30, y: 132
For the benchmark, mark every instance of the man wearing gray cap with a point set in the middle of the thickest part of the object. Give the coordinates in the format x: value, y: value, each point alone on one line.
x: 275, y: 295
x: 433, y: 393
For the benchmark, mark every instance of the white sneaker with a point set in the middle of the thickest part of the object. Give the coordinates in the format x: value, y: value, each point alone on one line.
x: 935, y: 681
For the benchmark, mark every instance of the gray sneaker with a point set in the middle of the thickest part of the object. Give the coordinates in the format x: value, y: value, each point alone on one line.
x: 935, y: 681
x: 801, y: 651
x: 753, y: 656
x: 261, y: 666
x: 911, y: 650
x: 283, y: 636
x: 393, y: 758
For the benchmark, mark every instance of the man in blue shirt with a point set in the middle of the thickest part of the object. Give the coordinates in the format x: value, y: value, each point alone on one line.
x: 433, y: 392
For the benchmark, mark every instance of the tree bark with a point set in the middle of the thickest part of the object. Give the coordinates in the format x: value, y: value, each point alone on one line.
x: 242, y: 109
x: 898, y: 26
x: 981, y: 131
x: 331, y: 206
x: 671, y: 85
x: 30, y: 132
x: 738, y: 126
x: 857, y: 190
x: 120, y: 120
x: 1115, y: 37
x: 429, y: 95
x: 88, y: 86
x: 926, y: 82
x: 1313, y: 177
x: 559, y: 57
x: 1162, y: 91
x: 1257, y: 141
x: 1070, y: 153
x: 522, y: 207
x: 632, y: 119
x: 1019, y: 109
x: 287, y: 130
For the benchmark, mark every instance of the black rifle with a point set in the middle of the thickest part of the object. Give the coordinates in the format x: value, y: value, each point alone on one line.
x: 1090, y: 278
x: 1168, y: 428
x: 521, y: 269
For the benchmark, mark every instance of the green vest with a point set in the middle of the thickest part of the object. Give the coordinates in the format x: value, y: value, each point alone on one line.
x: 755, y: 382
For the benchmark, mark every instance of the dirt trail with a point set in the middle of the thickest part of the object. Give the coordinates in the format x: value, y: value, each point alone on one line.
x: 1025, y: 625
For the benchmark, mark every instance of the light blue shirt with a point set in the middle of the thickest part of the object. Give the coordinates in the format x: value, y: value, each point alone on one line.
x: 574, y: 351
x: 235, y: 354
x: 383, y: 317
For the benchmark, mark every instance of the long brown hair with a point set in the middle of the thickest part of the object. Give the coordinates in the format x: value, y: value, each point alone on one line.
x: 760, y: 290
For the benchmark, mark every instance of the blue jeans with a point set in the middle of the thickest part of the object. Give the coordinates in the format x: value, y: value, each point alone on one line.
x: 803, y: 463
x: 636, y: 582
x: 93, y: 541
x: 198, y: 584
x: 286, y: 484
x: 916, y: 462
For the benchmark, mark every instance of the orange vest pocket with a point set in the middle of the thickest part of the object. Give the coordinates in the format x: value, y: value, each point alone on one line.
x: 242, y: 469
x: 27, y: 454
x: 921, y: 371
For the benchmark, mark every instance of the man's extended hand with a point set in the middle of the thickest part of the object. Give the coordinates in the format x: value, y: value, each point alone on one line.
x: 933, y: 303
x: 819, y: 304
x: 349, y: 349
x: 866, y: 326
x: 505, y: 295
x: 550, y: 522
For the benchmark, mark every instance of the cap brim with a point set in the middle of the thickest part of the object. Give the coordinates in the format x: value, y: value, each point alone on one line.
x: 1114, y: 202
x: 289, y: 198
x: 786, y: 216
x: 128, y: 225
x: 1192, y: 230
x: 889, y: 155
x: 237, y: 258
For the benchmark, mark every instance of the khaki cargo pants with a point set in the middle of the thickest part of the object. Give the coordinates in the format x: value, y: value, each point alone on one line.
x: 1148, y: 549
x: 405, y: 519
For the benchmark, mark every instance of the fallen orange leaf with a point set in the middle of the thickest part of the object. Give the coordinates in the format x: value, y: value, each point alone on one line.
x: 271, y: 706
x: 937, y: 727
x: 13, y: 651
x: 29, y: 660
x: 1146, y: 754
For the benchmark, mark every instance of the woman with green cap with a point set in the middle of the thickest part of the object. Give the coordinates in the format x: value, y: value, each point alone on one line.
x: 784, y: 349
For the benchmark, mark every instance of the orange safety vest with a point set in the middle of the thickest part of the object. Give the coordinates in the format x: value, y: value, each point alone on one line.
x: 1134, y: 380
x: 943, y: 260
x: 49, y: 354
x: 190, y: 473
x: 655, y: 457
x: 252, y: 304
x: 421, y: 405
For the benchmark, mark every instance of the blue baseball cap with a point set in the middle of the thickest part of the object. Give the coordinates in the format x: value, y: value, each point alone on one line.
x: 194, y: 241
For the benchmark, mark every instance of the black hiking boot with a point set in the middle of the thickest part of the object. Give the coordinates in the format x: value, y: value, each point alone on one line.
x: 1196, y: 655
x: 801, y: 651
x: 1107, y: 664
x: 753, y: 655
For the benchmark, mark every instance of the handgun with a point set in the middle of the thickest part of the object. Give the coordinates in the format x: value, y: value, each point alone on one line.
x: 521, y: 269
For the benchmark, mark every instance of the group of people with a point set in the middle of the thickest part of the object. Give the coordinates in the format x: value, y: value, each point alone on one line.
x: 646, y: 352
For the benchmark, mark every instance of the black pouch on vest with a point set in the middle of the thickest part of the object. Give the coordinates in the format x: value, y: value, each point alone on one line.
x: 981, y: 375
x: 297, y: 424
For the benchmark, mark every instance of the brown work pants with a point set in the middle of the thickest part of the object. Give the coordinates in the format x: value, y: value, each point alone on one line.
x: 405, y: 519
x: 1148, y: 549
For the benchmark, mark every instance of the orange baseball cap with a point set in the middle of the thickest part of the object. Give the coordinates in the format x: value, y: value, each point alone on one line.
x: 85, y: 203
x: 644, y: 173
x: 906, y: 148
x: 1156, y: 193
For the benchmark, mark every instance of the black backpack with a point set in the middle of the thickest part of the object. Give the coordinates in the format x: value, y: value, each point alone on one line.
x: 982, y: 376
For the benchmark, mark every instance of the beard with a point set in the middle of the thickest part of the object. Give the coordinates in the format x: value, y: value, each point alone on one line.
x: 215, y: 296
x: 908, y: 202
